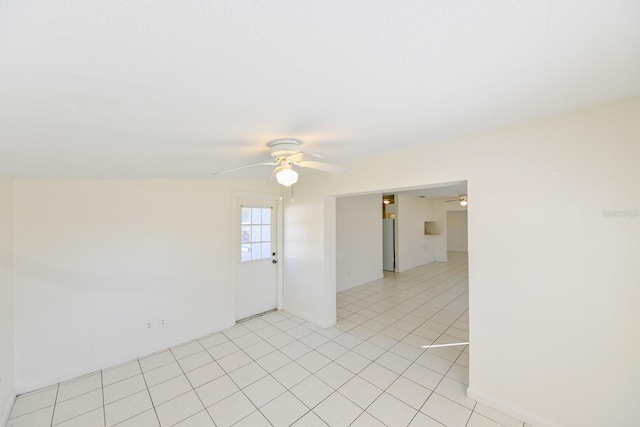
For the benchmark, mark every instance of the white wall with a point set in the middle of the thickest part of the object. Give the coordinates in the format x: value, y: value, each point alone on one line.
x: 553, y: 312
x: 310, y: 266
x: 414, y: 248
x: 457, y: 231
x: 7, y: 387
x: 95, y: 260
x: 358, y: 240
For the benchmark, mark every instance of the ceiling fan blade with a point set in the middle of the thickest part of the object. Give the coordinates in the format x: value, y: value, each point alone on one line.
x: 454, y: 200
x: 301, y: 156
x: 324, y: 167
x: 245, y: 167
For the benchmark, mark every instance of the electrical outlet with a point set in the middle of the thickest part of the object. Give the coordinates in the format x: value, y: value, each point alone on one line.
x: 162, y: 323
x: 149, y: 324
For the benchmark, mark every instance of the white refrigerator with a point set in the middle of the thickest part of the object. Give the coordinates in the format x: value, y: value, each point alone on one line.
x: 388, y: 244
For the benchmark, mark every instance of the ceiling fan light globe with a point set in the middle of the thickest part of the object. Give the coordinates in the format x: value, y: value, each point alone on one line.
x: 287, y: 177
x: 464, y: 202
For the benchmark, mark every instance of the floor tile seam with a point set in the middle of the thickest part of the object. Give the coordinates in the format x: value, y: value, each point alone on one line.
x: 142, y: 371
x: 286, y: 390
x: 247, y: 416
x: 80, y: 378
x: 435, y: 296
x: 401, y: 374
x: 37, y: 391
x: 432, y: 316
x: 131, y: 417
x: 217, y: 360
x: 131, y: 394
x: 337, y: 390
x: 472, y: 412
x: 385, y: 391
x: 450, y: 300
x: 331, y: 394
x: 165, y: 380
x: 268, y: 373
x: 450, y: 400
x: 150, y: 399
x: 78, y: 395
x: 213, y: 346
x: 445, y: 397
x: 53, y: 413
x: 494, y: 420
x: 158, y: 352
x: 417, y: 383
x: 406, y: 335
x: 127, y: 378
x: 30, y: 412
x: 178, y: 360
x: 232, y: 338
x: 79, y: 415
x: 192, y: 389
x: 265, y: 403
x: 104, y: 410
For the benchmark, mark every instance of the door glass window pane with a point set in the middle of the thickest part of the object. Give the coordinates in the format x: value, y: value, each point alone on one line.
x: 266, y: 250
x: 255, y: 234
x: 246, y: 215
x: 246, y: 234
x: 266, y: 216
x: 266, y: 233
x: 245, y: 253
x: 255, y: 215
x: 255, y: 251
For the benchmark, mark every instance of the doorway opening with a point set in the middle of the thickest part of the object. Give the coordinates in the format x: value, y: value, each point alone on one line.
x: 388, y: 233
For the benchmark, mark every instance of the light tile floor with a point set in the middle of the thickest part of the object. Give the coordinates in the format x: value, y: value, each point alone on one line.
x: 278, y: 370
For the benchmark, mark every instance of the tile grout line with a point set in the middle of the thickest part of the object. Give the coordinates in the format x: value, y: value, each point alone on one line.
x: 373, y: 361
x: 104, y: 407
x: 153, y: 406
x: 404, y: 370
x: 55, y: 402
x: 412, y: 362
x: 191, y: 384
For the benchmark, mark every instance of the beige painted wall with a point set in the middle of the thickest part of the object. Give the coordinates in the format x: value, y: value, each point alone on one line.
x: 553, y: 282
x: 7, y: 386
x: 97, y: 259
x: 359, y: 240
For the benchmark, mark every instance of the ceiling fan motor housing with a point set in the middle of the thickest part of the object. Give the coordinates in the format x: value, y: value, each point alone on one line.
x: 284, y: 147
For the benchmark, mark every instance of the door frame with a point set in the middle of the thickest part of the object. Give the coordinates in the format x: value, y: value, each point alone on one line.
x: 235, y: 244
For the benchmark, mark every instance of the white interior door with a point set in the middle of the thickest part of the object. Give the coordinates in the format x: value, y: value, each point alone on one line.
x: 256, y: 287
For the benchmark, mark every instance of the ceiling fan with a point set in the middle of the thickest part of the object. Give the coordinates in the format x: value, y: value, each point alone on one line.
x: 462, y: 199
x: 287, y: 154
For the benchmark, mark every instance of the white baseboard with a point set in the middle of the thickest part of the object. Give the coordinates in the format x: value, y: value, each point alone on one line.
x: 350, y: 285
x: 507, y: 409
x: 307, y: 317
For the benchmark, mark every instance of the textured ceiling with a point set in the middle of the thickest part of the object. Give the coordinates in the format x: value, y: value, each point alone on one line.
x: 148, y: 89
